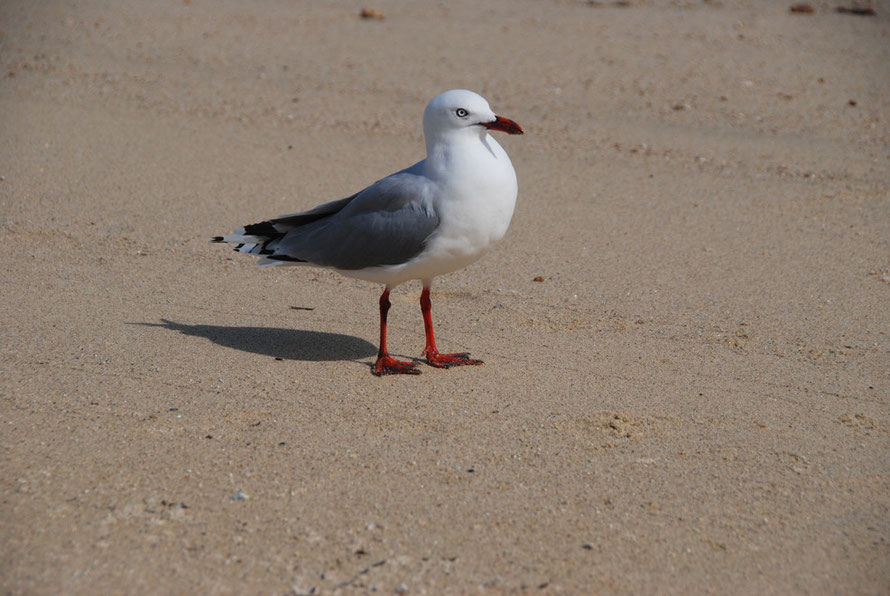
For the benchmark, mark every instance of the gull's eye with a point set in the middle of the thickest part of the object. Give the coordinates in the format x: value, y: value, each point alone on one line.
x: 461, y: 113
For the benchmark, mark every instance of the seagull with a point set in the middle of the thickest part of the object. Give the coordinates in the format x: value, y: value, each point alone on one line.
x: 437, y: 216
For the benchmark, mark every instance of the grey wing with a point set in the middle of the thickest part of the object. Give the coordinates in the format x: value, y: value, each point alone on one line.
x: 388, y: 223
x: 318, y: 212
x: 260, y: 238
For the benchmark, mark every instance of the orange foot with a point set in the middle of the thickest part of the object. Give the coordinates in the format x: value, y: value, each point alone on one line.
x: 387, y: 365
x: 434, y: 358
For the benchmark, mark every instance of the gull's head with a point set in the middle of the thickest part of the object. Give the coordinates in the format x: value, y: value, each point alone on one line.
x: 460, y: 112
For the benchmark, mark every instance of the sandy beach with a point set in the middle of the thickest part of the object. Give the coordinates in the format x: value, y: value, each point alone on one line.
x: 686, y: 331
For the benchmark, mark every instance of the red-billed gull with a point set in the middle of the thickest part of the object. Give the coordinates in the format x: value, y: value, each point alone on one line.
x: 435, y: 217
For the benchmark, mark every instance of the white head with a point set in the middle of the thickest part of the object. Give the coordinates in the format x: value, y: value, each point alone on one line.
x: 462, y: 112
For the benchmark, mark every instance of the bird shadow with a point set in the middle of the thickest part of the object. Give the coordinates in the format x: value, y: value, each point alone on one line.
x: 286, y: 344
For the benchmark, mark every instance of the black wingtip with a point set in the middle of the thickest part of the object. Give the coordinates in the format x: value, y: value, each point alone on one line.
x: 264, y: 229
x: 217, y: 239
x: 287, y: 258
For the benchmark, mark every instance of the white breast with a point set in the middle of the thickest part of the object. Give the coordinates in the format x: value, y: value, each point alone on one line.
x: 475, y: 207
x: 475, y: 199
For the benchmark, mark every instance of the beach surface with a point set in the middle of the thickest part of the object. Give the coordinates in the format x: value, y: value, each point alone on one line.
x: 686, y: 331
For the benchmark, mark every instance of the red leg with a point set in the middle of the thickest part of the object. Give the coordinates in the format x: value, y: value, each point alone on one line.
x: 386, y: 364
x: 430, y: 352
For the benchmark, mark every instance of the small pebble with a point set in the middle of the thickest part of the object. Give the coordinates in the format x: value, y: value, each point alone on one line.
x: 372, y: 13
x: 856, y: 10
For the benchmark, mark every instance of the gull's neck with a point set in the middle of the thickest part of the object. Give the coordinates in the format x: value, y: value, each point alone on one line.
x: 446, y: 149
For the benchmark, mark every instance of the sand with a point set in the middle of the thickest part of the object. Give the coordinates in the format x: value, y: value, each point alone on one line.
x: 693, y: 398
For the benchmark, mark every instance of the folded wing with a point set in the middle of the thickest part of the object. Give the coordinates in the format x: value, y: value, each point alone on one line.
x: 388, y: 223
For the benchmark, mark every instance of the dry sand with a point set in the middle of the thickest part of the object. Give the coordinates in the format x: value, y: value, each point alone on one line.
x: 693, y: 400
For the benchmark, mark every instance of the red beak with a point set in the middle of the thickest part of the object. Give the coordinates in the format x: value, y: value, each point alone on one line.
x: 504, y: 125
